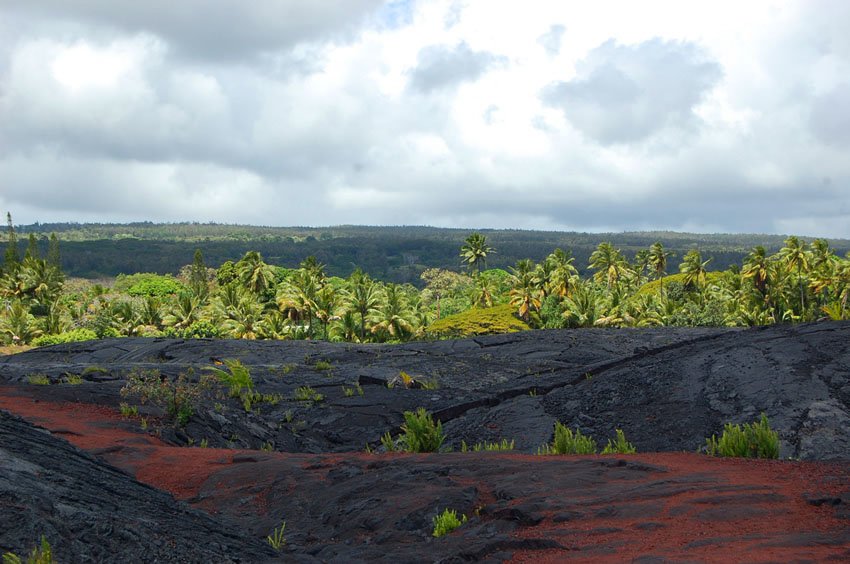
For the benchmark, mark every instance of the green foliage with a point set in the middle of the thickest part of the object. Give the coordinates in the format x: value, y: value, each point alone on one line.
x: 753, y: 440
x: 73, y: 379
x: 306, y: 393
x: 128, y: 410
x: 568, y: 442
x: 179, y: 398
x: 276, y: 540
x: 501, y: 446
x: 421, y: 433
x: 41, y: 554
x: 620, y: 445
x: 389, y: 443
x: 237, y: 377
x: 38, y: 379
x: 202, y: 329
x: 148, y: 284
x: 446, y: 522
x: 478, y: 321
x: 322, y: 365
x: 94, y: 369
x: 74, y: 336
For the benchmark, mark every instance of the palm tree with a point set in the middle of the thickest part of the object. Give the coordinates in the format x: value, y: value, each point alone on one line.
x: 393, y: 318
x: 481, y: 292
x: 757, y: 267
x: 609, y: 264
x: 184, y: 310
x: 474, y: 251
x: 18, y: 323
x: 581, y: 308
x: 254, y: 274
x: 657, y: 258
x: 796, y: 257
x: 693, y: 268
x: 525, y: 295
x: 296, y: 299
x: 363, y: 297
x: 564, y: 275
x: 244, y: 319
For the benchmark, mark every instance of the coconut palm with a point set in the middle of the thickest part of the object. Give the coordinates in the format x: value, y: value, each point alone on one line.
x: 525, y: 295
x: 183, y: 311
x: 363, y: 297
x: 296, y: 299
x: 657, y: 259
x: 564, y: 275
x: 693, y: 269
x: 609, y: 264
x: 393, y: 318
x: 254, y: 274
x: 474, y: 252
x: 795, y: 256
x: 18, y: 324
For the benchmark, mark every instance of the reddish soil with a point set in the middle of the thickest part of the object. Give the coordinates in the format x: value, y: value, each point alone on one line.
x: 679, y: 507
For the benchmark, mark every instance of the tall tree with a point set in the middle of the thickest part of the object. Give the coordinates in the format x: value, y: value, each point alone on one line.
x: 609, y: 264
x: 796, y: 258
x: 474, y: 251
x: 693, y: 268
x: 658, y: 261
x: 12, y: 258
x: 53, y: 258
x: 198, y: 278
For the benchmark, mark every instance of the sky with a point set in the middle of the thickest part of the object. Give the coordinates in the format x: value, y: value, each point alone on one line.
x: 722, y: 116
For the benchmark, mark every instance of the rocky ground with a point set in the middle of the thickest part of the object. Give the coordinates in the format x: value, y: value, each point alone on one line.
x: 666, y: 388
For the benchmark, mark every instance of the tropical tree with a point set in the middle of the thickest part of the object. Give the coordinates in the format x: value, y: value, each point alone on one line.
x: 363, y: 297
x: 609, y: 264
x: 795, y: 256
x: 564, y: 275
x: 254, y: 274
x: 693, y: 268
x: 526, y: 295
x: 393, y: 318
x: 657, y: 259
x: 474, y: 252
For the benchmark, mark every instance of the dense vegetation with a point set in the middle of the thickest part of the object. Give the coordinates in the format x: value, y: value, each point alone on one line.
x: 252, y: 299
x: 391, y: 254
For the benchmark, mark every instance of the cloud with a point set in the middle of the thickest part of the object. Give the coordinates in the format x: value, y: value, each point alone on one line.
x: 551, y: 40
x: 224, y: 30
x: 440, y: 66
x: 830, y: 116
x: 624, y: 94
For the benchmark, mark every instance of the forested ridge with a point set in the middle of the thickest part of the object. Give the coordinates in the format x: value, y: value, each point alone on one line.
x: 395, y: 253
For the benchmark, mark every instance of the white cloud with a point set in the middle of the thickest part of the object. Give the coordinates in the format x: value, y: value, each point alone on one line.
x: 658, y: 114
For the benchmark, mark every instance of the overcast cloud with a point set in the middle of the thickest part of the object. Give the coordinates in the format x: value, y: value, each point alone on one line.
x: 722, y: 116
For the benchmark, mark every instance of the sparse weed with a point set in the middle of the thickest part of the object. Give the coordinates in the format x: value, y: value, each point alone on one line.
x: 306, y: 393
x: 204, y: 443
x: 38, y: 379
x: 568, y: 442
x: 73, y: 379
x: 388, y: 442
x: 287, y: 416
x: 753, y: 440
x: 322, y: 365
x: 503, y: 445
x: 446, y: 522
x: 347, y: 392
x: 620, y: 445
x: 128, y: 410
x: 94, y: 369
x: 178, y: 398
x: 287, y: 368
x: 267, y: 446
x: 276, y: 540
x: 41, y: 554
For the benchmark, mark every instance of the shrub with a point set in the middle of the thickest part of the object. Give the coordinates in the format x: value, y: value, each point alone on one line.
x: 202, y: 330
x: 753, y: 440
x: 147, y: 284
x: 237, y: 377
x: 478, y: 321
x: 75, y: 336
x: 568, y: 442
x: 38, y: 379
x: 321, y: 365
x: 421, y: 434
x: 446, y: 522
x: 178, y: 398
x: 620, y: 445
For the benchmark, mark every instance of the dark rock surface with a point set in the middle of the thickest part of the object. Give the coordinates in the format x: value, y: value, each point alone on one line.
x: 667, y: 388
x: 92, y: 512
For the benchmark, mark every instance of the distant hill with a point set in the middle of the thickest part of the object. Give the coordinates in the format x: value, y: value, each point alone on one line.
x: 395, y: 253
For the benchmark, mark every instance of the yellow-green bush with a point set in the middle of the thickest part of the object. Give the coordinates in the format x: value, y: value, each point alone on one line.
x: 478, y: 321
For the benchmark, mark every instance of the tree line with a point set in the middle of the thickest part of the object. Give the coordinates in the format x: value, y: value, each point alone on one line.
x: 252, y: 299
